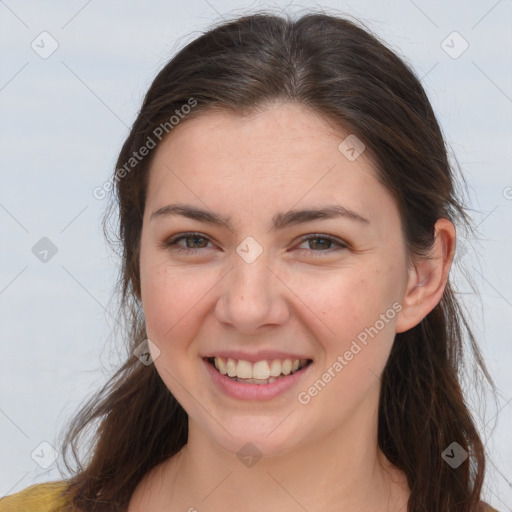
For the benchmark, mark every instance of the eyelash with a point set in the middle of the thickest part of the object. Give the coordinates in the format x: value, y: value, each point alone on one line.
x: 315, y: 236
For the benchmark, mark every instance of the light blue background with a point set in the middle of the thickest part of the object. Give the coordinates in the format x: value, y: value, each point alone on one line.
x: 63, y: 120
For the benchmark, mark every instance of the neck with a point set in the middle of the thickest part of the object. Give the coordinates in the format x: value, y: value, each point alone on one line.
x: 341, y: 471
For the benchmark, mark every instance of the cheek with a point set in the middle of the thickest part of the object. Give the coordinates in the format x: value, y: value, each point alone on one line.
x: 357, y: 318
x: 355, y: 355
x: 169, y: 301
x: 176, y: 303
x: 348, y: 301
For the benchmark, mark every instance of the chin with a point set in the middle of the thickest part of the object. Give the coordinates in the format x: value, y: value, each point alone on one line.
x: 257, y: 438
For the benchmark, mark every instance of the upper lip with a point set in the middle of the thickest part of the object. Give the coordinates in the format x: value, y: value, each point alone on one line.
x: 262, y: 355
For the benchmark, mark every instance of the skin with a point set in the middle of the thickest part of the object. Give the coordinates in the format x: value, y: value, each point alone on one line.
x: 318, y: 456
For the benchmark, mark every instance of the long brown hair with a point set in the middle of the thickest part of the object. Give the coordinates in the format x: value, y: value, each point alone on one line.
x: 340, y: 70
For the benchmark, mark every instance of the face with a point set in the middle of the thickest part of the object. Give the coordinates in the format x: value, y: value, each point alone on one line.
x: 256, y: 283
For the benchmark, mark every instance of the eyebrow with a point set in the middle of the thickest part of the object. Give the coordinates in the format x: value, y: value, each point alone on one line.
x: 279, y: 221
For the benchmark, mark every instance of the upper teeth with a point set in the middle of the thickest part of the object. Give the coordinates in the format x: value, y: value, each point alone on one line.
x: 259, y: 370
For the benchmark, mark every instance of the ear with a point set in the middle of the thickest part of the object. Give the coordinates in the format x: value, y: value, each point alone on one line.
x: 427, y: 279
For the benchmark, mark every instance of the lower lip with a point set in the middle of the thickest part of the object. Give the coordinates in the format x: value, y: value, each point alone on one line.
x: 245, y: 391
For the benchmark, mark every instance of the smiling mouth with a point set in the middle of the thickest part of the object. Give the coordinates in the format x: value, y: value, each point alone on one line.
x: 246, y: 372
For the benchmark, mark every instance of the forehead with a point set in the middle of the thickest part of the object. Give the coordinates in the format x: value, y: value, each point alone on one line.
x: 281, y: 130
x: 280, y: 155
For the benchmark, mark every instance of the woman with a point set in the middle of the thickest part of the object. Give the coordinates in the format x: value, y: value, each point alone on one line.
x: 287, y: 215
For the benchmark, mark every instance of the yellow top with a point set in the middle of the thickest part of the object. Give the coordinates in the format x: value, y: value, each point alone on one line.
x: 36, y: 498
x: 46, y: 498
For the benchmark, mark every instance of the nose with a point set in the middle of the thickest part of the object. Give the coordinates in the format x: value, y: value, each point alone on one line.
x: 252, y: 297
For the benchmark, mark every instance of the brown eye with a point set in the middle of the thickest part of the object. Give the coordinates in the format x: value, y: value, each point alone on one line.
x: 323, y: 244
x: 193, y: 242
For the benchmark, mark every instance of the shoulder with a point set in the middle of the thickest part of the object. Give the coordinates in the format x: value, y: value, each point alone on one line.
x: 47, y: 497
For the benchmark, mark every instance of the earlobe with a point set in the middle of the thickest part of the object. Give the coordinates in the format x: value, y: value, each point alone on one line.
x: 427, y: 279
